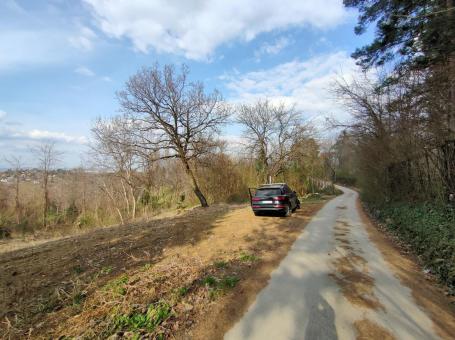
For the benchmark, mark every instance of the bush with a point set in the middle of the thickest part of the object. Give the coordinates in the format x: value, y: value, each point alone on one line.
x: 85, y: 220
x: 4, y: 233
x: 430, y: 230
x: 346, y: 179
x: 330, y: 190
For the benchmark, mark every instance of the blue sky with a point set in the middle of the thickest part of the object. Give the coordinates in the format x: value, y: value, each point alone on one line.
x: 61, y: 62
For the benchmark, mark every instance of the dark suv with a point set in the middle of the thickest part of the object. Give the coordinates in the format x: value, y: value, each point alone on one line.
x: 277, y: 197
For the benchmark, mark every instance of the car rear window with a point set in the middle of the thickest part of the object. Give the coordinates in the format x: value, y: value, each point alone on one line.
x: 267, y: 192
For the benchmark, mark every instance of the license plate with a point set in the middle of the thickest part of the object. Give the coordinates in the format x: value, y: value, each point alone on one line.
x: 267, y: 202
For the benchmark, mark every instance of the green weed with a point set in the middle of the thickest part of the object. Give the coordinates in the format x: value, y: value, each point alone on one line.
x: 148, y: 321
x: 106, y: 270
x: 49, y: 304
x: 220, y: 264
x: 146, y: 266
x: 209, y: 281
x: 182, y: 291
x: 78, y: 269
x: 244, y: 257
x: 228, y: 282
x: 78, y: 298
x: 117, y: 286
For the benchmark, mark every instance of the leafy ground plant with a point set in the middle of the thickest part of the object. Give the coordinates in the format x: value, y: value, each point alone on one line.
x: 429, y: 230
x: 118, y: 286
x: 155, y: 315
x: 245, y: 257
x: 228, y: 282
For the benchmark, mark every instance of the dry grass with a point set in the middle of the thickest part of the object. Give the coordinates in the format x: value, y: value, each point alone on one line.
x: 188, y: 276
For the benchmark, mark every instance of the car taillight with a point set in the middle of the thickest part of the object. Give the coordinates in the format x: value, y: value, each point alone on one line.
x: 255, y: 199
x: 279, y: 198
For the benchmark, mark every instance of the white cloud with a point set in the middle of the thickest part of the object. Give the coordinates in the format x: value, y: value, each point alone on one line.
x: 2, y: 114
x: 19, y: 142
x: 235, y: 143
x: 55, y: 136
x: 196, y: 28
x: 87, y: 72
x: 307, y: 84
x: 83, y: 39
x: 276, y: 47
x: 84, y: 71
x: 24, y: 136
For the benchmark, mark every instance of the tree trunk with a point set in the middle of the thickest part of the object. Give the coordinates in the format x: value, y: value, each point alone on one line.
x: 196, y: 189
x: 46, y: 199
x: 18, y: 206
x: 127, y: 201
x: 133, y: 200
x: 111, y: 197
x: 451, y: 70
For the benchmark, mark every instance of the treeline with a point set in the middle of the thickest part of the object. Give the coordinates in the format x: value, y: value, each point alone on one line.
x: 400, y: 144
x: 164, y: 151
x: 399, y: 148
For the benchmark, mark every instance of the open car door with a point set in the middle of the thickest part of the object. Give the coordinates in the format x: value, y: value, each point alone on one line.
x: 252, y: 192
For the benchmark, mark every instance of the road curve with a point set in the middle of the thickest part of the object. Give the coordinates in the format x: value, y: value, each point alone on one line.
x: 334, y: 284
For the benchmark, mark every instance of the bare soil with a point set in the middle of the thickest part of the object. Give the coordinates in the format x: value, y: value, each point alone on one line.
x: 207, y: 265
x: 367, y: 329
x: 351, y: 271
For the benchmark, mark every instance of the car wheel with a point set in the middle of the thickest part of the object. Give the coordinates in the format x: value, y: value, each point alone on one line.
x: 257, y: 213
x: 287, y: 211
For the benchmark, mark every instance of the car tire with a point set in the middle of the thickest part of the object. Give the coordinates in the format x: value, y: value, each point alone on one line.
x: 257, y: 213
x: 287, y: 211
x: 295, y: 208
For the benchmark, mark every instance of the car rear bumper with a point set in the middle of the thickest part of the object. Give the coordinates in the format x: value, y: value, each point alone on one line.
x: 276, y: 207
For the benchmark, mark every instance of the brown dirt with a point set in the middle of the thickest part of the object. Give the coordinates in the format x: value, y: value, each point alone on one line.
x: 356, y: 285
x: 367, y: 330
x: 351, y: 272
x: 41, y: 287
x: 425, y: 290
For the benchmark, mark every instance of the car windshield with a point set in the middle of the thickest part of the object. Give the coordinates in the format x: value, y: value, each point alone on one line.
x: 268, y: 192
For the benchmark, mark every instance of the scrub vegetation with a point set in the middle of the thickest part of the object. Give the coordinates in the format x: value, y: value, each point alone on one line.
x: 399, y: 149
x: 164, y: 152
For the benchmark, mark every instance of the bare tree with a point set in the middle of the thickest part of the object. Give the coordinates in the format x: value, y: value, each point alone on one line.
x: 114, y: 151
x: 168, y: 116
x: 271, y: 131
x: 16, y: 164
x: 48, y: 157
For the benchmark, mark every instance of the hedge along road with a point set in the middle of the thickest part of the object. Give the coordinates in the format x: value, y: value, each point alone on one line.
x: 342, y: 279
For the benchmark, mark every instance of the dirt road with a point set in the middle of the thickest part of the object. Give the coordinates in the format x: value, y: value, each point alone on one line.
x: 342, y: 280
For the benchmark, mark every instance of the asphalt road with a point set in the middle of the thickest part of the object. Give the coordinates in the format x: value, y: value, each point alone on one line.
x: 334, y: 284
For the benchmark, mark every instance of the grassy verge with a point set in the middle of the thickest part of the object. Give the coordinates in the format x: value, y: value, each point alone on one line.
x: 429, y: 231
